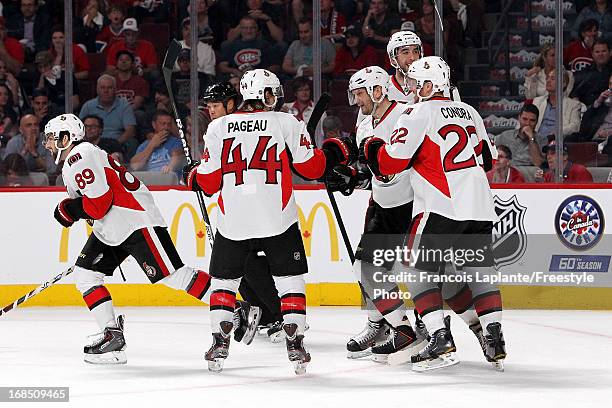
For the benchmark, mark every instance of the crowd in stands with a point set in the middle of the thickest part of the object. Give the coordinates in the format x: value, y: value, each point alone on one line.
x: 119, y: 92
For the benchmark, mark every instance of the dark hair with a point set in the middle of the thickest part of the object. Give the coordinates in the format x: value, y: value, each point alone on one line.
x: 587, y: 25
x: 159, y: 113
x: 601, y: 41
x: 305, y: 21
x: 17, y: 163
x: 530, y: 108
x: 505, y: 149
x: 96, y: 117
x: 9, y: 103
x: 40, y: 92
x: 124, y: 52
x: 299, y: 82
x: 161, y: 89
x: 57, y: 28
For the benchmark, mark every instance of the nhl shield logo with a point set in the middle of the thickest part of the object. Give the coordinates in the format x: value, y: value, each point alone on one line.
x: 509, y: 237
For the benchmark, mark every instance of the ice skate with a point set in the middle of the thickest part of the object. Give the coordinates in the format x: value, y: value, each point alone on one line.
x: 275, y: 332
x: 438, y: 353
x: 361, y: 345
x: 419, y: 328
x: 400, y: 345
x: 107, y: 347
x: 246, y: 320
x: 219, y: 350
x: 495, y: 346
x: 296, y: 351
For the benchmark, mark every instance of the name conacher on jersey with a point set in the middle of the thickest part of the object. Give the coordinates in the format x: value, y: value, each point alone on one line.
x: 247, y: 126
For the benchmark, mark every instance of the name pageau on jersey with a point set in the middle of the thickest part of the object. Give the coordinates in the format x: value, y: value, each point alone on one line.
x: 441, y: 142
x: 118, y: 201
x: 397, y: 190
x: 248, y: 156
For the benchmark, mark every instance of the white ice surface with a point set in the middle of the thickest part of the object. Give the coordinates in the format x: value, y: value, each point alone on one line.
x: 556, y: 359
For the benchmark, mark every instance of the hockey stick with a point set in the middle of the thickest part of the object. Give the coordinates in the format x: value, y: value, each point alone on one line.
x: 36, y: 291
x: 315, y: 117
x: 170, y: 59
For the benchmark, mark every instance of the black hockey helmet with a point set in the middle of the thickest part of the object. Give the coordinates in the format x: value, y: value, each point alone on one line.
x: 221, y: 92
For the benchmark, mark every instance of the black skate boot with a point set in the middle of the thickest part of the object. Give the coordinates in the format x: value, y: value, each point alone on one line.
x: 361, y: 345
x: 246, y: 319
x: 219, y: 350
x: 400, y: 345
x: 495, y: 350
x: 275, y: 332
x: 296, y: 351
x: 419, y: 328
x: 107, y: 347
x: 438, y: 353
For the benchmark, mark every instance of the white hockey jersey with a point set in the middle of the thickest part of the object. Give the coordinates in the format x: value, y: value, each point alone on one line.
x: 118, y: 202
x: 395, y: 93
x: 398, y: 190
x: 248, y: 156
x: 441, y: 141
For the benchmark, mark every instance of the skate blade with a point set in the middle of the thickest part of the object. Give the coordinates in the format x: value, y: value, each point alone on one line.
x: 354, y: 355
x: 445, y: 360
x: 277, y: 337
x: 498, y: 365
x: 254, y: 317
x: 216, y: 365
x: 380, y: 358
x: 403, y: 356
x: 113, y: 357
x: 299, y: 367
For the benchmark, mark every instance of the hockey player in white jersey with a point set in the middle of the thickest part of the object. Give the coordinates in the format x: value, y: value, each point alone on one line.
x: 125, y: 222
x: 388, y: 217
x: 248, y: 159
x: 444, y: 145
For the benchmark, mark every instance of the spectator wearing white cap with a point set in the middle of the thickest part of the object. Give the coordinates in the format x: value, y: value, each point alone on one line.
x: 143, y: 50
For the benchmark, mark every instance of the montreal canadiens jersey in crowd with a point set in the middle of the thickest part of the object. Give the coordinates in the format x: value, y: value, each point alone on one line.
x: 119, y: 202
x: 249, y: 156
x: 398, y: 190
x: 442, y: 143
x: 395, y: 93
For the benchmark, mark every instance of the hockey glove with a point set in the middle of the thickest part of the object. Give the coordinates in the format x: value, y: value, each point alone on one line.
x: 369, y: 153
x: 338, y: 150
x: 69, y: 211
x: 345, y: 179
x: 189, y: 176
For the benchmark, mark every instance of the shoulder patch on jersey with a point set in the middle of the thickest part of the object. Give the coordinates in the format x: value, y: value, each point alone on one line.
x: 74, y: 158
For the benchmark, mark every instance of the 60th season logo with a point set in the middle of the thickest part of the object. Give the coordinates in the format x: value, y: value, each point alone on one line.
x: 579, y: 222
x: 509, y: 236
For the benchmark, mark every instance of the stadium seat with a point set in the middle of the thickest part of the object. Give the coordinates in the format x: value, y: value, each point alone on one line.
x: 97, y: 61
x: 528, y: 172
x: 600, y: 174
x: 583, y: 153
x: 159, y: 35
x: 87, y: 90
x: 155, y: 178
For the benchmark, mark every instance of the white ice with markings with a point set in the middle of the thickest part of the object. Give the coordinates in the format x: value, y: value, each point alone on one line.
x: 556, y: 359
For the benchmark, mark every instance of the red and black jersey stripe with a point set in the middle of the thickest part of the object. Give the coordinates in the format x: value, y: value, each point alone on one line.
x: 293, y: 303
x: 199, y: 285
x: 428, y: 301
x: 488, y: 303
x: 462, y: 301
x: 387, y: 305
x: 222, y: 299
x: 96, y: 296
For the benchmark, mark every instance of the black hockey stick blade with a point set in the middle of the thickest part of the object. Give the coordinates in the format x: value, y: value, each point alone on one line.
x: 174, y: 48
x: 317, y: 113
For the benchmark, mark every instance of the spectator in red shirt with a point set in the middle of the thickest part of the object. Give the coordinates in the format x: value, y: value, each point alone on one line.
x: 11, y: 51
x: 130, y: 86
x: 143, y: 50
x: 572, y: 172
x: 111, y: 33
x: 354, y: 54
x: 502, y: 171
x: 81, y: 64
x: 333, y: 24
x: 577, y: 55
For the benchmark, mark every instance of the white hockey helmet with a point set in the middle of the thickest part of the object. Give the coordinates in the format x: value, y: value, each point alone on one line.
x: 432, y: 69
x: 61, y: 125
x: 399, y: 40
x: 369, y: 78
x: 256, y: 81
